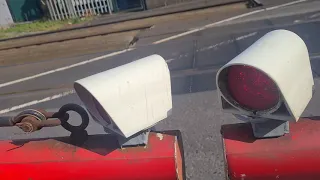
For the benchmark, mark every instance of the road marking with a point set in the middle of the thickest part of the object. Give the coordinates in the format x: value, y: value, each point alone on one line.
x: 227, y: 42
x: 179, y: 35
x: 64, y: 68
x: 34, y: 102
x: 314, y: 16
x: 286, y: 4
x: 169, y: 60
x: 214, y: 46
x: 225, y: 20
x: 157, y: 42
x: 246, y: 36
x: 57, y: 96
x: 314, y: 57
x: 297, y: 21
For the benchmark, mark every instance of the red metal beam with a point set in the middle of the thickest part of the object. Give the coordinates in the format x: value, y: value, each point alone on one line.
x: 98, y: 159
x: 293, y: 156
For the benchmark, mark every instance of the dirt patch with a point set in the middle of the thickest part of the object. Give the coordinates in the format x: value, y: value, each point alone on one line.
x: 22, y: 29
x: 68, y: 35
x: 66, y: 49
x: 115, y: 27
x: 96, y: 39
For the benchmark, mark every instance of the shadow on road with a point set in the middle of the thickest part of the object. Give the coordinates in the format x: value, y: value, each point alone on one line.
x: 212, y: 52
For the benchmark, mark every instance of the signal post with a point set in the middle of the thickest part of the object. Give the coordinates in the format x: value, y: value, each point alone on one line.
x: 293, y: 156
x: 268, y: 86
x: 127, y: 101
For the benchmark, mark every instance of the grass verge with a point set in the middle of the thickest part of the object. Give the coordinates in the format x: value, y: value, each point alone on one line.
x: 39, y: 26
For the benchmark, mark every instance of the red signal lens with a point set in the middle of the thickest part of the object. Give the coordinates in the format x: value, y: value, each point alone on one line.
x: 251, y: 88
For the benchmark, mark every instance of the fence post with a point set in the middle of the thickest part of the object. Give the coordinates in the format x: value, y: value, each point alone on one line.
x: 109, y: 6
x: 64, y: 10
x: 105, y: 6
x: 51, y: 12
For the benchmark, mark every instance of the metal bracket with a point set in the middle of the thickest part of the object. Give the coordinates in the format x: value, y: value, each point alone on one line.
x: 266, y: 128
x: 139, y: 139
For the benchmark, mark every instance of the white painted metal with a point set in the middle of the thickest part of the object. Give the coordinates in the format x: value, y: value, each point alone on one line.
x: 5, y: 15
x: 284, y: 57
x: 89, y: 6
x: 50, y: 8
x: 80, y: 6
x: 76, y: 8
x: 63, y: 9
x: 134, y: 96
x: 92, y: 7
x: 101, y: 6
x: 105, y: 4
x: 56, y: 9
x: 96, y: 6
x: 110, y: 6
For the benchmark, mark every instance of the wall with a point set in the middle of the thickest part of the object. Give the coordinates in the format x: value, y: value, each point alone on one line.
x: 25, y: 10
x: 5, y: 16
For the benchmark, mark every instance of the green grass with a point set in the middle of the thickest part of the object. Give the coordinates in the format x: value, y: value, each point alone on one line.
x: 39, y: 26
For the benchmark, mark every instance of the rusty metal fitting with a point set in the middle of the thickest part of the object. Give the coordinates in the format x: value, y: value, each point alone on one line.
x: 37, y: 114
x: 29, y: 124
x: 32, y: 120
x: 26, y: 127
x: 32, y: 124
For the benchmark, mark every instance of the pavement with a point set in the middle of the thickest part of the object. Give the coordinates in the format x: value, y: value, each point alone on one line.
x: 45, y: 47
x: 170, y: 9
x: 193, y: 53
x: 94, y: 27
x: 70, y: 48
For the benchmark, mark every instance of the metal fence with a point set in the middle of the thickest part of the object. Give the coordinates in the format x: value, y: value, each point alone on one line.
x: 64, y: 9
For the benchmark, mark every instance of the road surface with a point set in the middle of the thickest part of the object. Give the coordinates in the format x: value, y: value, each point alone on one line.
x: 193, y: 54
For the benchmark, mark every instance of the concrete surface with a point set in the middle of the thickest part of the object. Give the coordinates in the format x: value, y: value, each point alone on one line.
x: 193, y: 60
x: 178, y: 8
x: 89, y: 29
x: 70, y: 35
x: 75, y: 42
x: 302, y: 8
x: 185, y: 4
x: 65, y: 49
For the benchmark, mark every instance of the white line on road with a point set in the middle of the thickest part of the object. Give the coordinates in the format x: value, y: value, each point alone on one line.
x: 314, y: 15
x: 287, y: 4
x: 297, y: 21
x: 64, y: 68
x: 157, y: 42
x: 57, y: 96
x: 246, y: 36
x: 315, y: 57
x: 169, y: 60
x: 225, y: 20
x: 214, y: 46
x: 34, y: 102
x: 227, y: 42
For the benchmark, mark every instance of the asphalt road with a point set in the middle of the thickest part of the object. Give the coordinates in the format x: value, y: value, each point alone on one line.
x: 193, y: 60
